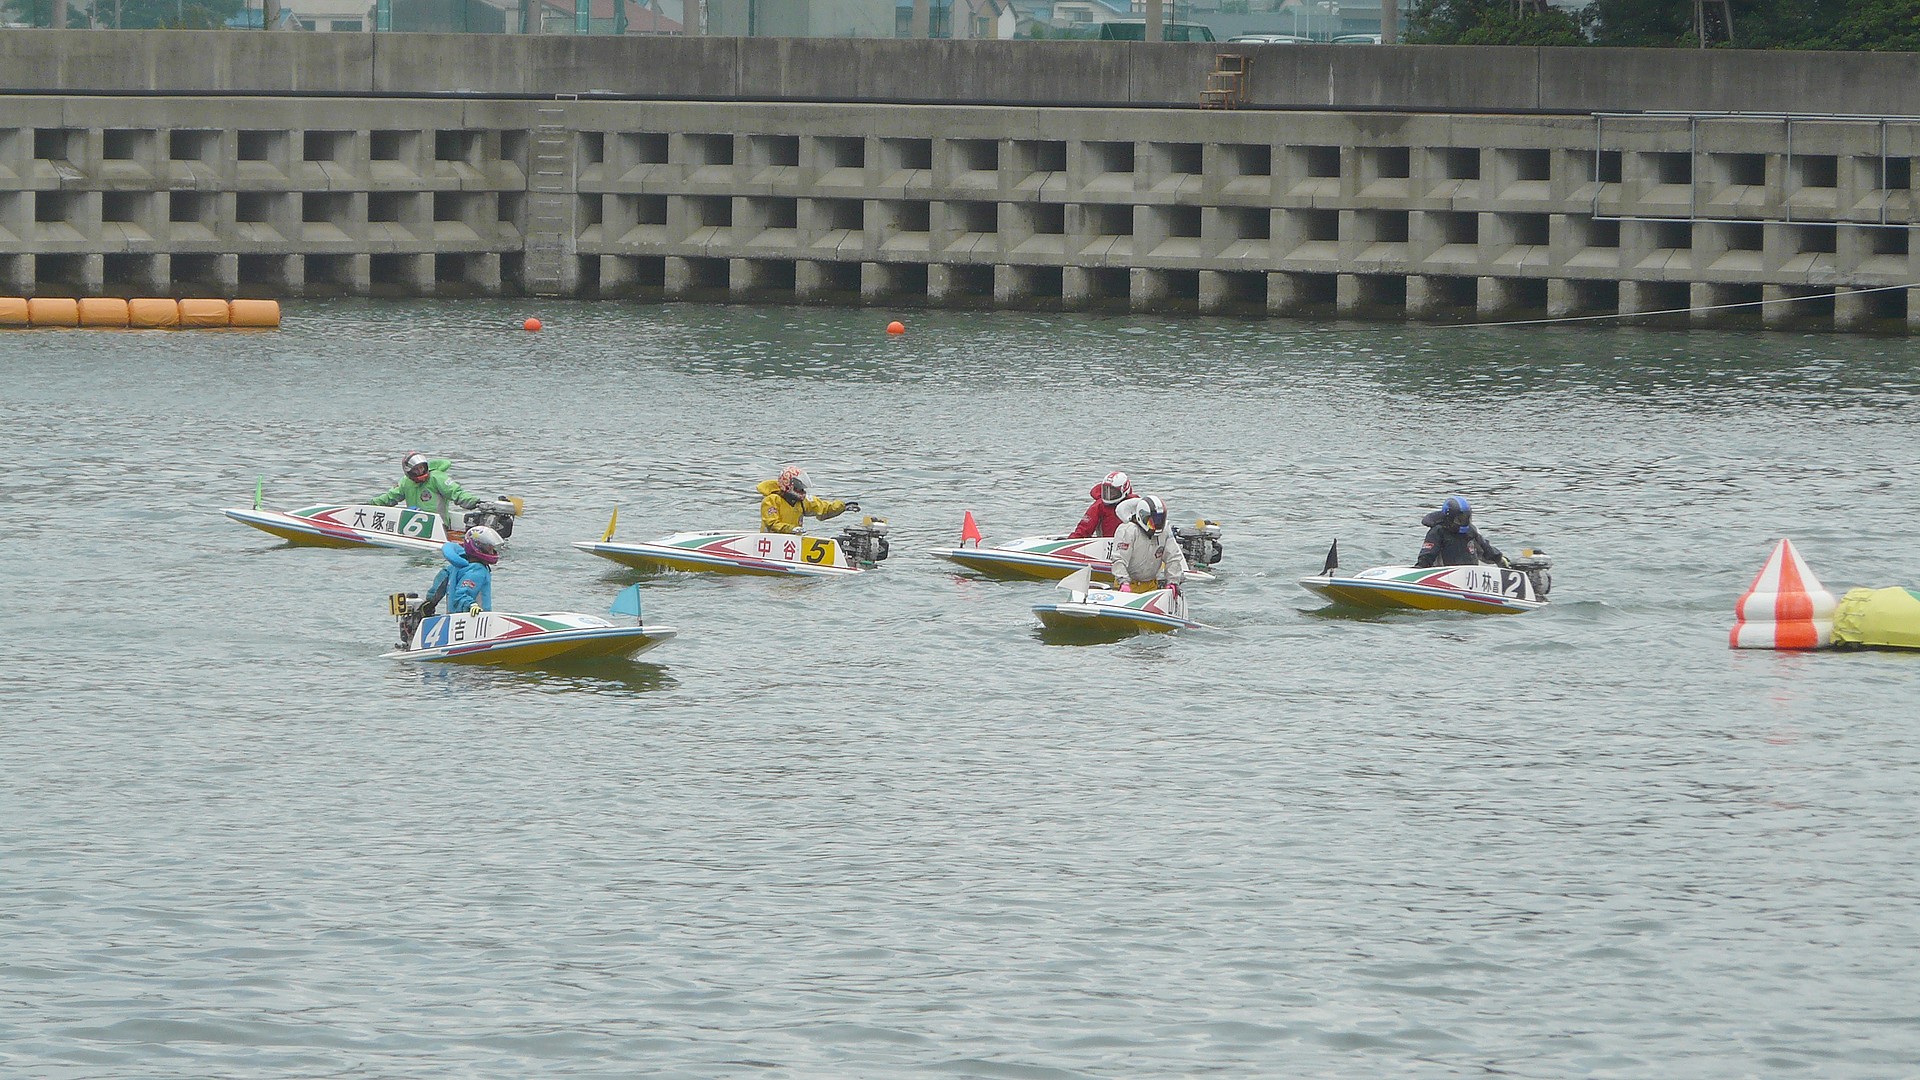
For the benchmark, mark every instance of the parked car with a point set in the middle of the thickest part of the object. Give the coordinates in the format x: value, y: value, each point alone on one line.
x: 1357, y: 39
x: 1136, y: 30
x: 1269, y: 39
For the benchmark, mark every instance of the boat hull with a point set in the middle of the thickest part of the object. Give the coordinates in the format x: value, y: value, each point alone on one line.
x: 1483, y: 590
x: 335, y: 526
x: 1103, y: 611
x: 755, y: 554
x: 506, y: 639
x: 1044, y: 558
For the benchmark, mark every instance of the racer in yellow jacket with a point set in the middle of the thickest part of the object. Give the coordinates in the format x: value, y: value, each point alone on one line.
x: 784, y: 501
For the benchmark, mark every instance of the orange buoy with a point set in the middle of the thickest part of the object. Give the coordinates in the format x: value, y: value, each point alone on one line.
x: 153, y: 313
x: 254, y: 314
x: 1786, y: 607
x: 896, y: 327
x: 13, y: 311
x: 204, y: 311
x: 531, y: 325
x: 53, y: 311
x: 103, y: 311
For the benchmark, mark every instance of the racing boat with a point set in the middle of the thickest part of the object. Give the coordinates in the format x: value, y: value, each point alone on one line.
x: 1102, y: 610
x: 1050, y: 558
x: 1481, y: 589
x: 507, y: 638
x: 362, y: 525
x: 857, y: 549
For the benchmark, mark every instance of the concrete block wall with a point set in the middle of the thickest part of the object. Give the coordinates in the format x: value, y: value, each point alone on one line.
x: 1361, y: 213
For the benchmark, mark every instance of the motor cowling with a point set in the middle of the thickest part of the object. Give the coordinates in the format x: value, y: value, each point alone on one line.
x: 1200, y: 543
x: 497, y: 515
x: 865, y: 544
x: 1535, y: 565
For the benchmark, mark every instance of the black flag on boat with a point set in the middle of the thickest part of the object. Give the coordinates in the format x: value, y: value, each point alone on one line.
x: 1333, y: 560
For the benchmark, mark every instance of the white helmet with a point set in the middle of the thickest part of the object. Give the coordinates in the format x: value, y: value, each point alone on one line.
x: 1149, y: 513
x: 1115, y: 488
x: 483, y: 543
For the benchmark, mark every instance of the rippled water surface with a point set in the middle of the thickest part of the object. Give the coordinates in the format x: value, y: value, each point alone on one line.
x: 880, y: 827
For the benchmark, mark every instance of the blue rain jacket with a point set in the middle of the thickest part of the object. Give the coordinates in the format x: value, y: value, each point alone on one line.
x: 467, y: 582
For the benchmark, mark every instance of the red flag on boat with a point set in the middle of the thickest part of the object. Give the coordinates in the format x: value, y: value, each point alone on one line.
x: 969, y: 531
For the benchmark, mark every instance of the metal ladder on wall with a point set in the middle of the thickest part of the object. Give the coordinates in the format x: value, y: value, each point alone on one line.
x: 551, y: 234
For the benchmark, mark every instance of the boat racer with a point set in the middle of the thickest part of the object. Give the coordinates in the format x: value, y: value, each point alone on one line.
x: 784, y: 502
x: 1452, y: 539
x: 1102, y: 519
x: 466, y: 582
x: 1145, y: 551
x: 426, y: 486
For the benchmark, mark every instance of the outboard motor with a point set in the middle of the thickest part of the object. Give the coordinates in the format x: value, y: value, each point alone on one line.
x: 1534, y: 564
x: 865, y: 544
x: 1200, y: 544
x: 409, y: 608
x: 497, y: 514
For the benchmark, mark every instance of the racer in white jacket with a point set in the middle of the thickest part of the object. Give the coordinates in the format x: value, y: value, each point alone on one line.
x: 1146, y: 554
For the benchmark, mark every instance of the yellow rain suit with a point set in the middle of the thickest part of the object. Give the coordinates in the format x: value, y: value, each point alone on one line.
x: 778, y: 515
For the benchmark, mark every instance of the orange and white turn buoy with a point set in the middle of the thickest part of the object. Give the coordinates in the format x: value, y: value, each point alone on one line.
x: 1786, y: 607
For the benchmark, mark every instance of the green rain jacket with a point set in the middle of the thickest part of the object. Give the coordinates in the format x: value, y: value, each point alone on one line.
x: 437, y: 493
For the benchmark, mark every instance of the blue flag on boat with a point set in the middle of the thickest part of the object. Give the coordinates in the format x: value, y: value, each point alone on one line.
x: 627, y: 603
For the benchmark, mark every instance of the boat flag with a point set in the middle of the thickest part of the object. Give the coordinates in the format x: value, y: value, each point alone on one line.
x: 1077, y: 583
x: 1786, y: 607
x: 611, y: 522
x: 969, y: 531
x: 1333, y: 560
x: 259, y: 485
x: 627, y: 603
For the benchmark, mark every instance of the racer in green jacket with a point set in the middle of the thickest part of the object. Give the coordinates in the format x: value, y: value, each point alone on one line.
x: 428, y: 487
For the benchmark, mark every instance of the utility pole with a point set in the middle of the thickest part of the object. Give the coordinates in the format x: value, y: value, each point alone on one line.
x: 1389, y: 22
x: 1156, y: 21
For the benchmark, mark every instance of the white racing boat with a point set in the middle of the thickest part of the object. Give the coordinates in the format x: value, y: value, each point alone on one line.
x: 1089, y: 607
x: 509, y: 638
x: 1482, y: 589
x: 1050, y: 558
x: 857, y: 549
x: 361, y: 525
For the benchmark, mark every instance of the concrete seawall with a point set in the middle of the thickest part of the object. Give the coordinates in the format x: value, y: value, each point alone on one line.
x: 1413, y: 182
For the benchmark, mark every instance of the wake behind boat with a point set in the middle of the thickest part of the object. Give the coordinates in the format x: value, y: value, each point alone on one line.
x: 1485, y: 589
x: 857, y: 549
x: 507, y: 638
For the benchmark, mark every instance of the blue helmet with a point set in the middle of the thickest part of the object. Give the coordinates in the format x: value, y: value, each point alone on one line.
x: 1459, y: 511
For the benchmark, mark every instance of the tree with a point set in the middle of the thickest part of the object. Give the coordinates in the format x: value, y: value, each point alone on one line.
x: 1490, y: 22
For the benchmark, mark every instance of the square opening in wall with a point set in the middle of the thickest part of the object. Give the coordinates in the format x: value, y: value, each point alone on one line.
x: 976, y: 155
x: 1459, y: 162
x: 392, y: 145
x: 1814, y: 238
x: 1889, y: 241
x: 322, y: 207
x: 1742, y: 170
x: 461, y: 146
x: 1183, y: 221
x: 1247, y: 159
x: 456, y: 206
x: 261, y: 145
x: 328, y: 273
x: 907, y: 153
x: 1047, y: 219
x: 1392, y: 162
x: 1317, y: 224
x: 1385, y: 226
x: 1105, y: 219
x: 840, y: 152
x: 1247, y: 222
x: 970, y: 282
x: 1602, y: 234
x: 1109, y: 157
x: 1530, y: 164
x: 590, y: 211
x: 1668, y: 167
x: 1458, y: 227
x: 192, y: 144
x: 395, y: 274
x: 776, y: 213
x: 1527, y: 228
x: 973, y: 217
x: 775, y: 150
x: 57, y: 144
x: 125, y: 144
x: 909, y: 217
x: 1314, y: 290
x: 1676, y: 235
x: 389, y: 206
x: 645, y: 209
x: 646, y: 147
x: 122, y: 271
x: 1185, y: 158
x: 1318, y: 161
x: 1045, y: 155
x: 1745, y: 237
x: 840, y: 277
x: 710, y: 149
x: 836, y: 214
x: 1816, y: 170
x: 1896, y: 174
x: 1110, y: 283
x: 593, y: 147
x: 190, y: 206
x: 195, y: 271
x: 255, y: 207
x: 325, y: 145
x: 123, y: 206
x: 710, y: 211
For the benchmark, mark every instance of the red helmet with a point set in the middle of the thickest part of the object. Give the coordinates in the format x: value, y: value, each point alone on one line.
x: 793, y: 480
x: 416, y: 466
x: 1115, y: 488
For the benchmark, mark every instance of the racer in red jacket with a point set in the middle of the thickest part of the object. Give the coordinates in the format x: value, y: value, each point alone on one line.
x: 1101, y: 518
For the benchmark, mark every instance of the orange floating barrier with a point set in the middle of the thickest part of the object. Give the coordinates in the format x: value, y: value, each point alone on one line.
x: 13, y: 311
x: 202, y: 311
x: 103, y: 311
x: 254, y: 314
x: 53, y: 311
x: 1786, y: 607
x: 153, y: 313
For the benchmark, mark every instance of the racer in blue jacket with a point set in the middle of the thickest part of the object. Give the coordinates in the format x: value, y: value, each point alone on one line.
x: 467, y: 579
